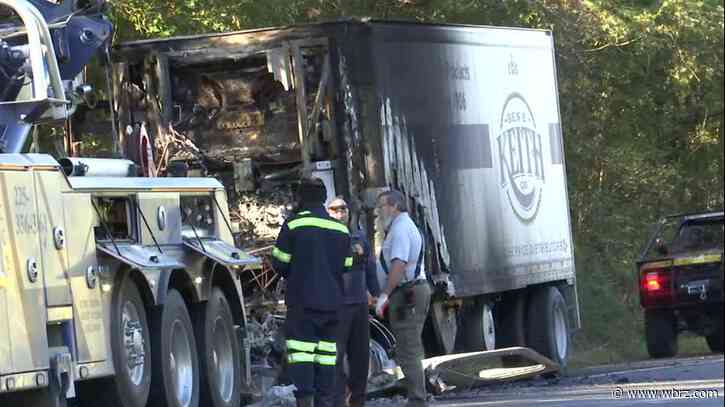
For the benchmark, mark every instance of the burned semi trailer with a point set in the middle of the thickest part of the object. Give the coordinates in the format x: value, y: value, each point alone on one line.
x: 463, y: 119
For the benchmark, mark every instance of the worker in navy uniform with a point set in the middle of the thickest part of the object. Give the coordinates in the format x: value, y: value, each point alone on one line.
x: 353, y: 340
x: 312, y: 253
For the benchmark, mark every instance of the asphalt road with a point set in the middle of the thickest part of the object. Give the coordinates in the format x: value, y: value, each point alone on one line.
x: 692, y: 381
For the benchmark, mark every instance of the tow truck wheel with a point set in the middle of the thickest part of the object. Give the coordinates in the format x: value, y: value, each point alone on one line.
x: 548, y: 325
x: 175, y: 378
x: 35, y: 398
x: 661, y: 333
x: 130, y: 347
x: 220, y: 354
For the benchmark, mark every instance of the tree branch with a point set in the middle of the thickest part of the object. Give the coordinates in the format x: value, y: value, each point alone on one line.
x: 618, y: 45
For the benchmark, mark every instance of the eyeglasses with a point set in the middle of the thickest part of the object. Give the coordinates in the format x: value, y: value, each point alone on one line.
x: 338, y: 208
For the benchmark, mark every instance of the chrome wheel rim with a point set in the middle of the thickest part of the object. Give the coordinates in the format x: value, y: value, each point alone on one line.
x: 560, y: 332
x: 181, y: 365
x: 134, y: 342
x: 489, y: 328
x: 223, y: 360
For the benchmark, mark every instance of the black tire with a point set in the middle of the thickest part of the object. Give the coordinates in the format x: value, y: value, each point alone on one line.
x: 440, y: 329
x: 34, y: 398
x: 548, y: 325
x: 174, y: 356
x: 510, y: 317
x: 715, y: 339
x: 479, y: 327
x: 219, y: 350
x: 661, y: 333
x: 126, y: 388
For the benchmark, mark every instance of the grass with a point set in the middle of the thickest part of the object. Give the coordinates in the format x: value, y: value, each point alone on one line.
x: 585, y: 355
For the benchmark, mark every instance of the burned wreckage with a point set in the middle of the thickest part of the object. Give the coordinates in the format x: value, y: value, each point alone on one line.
x: 256, y: 110
x: 464, y: 120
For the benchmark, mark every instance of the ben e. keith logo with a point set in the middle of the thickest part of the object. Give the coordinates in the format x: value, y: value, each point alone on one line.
x: 521, y: 157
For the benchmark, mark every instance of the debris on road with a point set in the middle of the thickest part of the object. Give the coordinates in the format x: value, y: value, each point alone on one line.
x: 477, y: 368
x: 278, y: 396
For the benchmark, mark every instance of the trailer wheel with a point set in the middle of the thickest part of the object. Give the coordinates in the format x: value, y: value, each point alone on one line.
x: 220, y: 354
x: 130, y: 347
x: 479, y: 327
x: 445, y: 326
x: 175, y: 378
x: 661, y: 333
x: 548, y: 325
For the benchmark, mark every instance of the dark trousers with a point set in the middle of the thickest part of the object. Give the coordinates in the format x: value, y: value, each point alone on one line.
x: 353, y: 345
x: 408, y: 311
x: 312, y: 353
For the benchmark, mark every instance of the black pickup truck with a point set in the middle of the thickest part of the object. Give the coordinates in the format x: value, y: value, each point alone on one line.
x: 680, y: 274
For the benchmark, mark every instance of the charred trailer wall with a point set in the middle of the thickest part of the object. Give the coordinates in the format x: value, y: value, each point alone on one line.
x: 229, y: 110
x: 359, y: 171
x: 471, y: 133
x: 464, y: 120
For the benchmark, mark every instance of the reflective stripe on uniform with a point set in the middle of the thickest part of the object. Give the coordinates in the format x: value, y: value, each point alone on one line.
x: 304, y: 213
x: 301, y: 357
x: 327, y: 347
x: 325, y: 360
x: 281, y: 256
x: 293, y: 344
x: 311, y: 221
x: 348, y: 261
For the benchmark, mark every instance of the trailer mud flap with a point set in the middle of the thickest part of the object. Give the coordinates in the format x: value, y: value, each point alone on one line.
x: 138, y: 256
x: 221, y: 252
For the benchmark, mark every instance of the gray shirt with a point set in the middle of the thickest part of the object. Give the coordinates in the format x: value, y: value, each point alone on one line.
x: 403, y: 242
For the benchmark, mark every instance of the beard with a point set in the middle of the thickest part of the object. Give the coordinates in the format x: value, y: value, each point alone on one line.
x: 386, y: 221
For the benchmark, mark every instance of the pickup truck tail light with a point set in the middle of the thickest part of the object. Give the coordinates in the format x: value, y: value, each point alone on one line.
x: 655, y: 286
x: 653, y: 281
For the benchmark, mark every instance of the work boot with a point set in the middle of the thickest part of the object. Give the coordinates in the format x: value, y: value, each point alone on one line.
x: 308, y: 401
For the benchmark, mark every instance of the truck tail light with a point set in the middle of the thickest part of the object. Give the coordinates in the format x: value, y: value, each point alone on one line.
x: 652, y: 281
x: 655, y: 286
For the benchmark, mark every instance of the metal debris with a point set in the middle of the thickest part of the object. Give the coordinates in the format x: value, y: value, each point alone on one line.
x: 261, y: 215
x: 278, y: 396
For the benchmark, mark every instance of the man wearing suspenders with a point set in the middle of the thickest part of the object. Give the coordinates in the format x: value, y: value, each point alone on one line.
x: 406, y: 293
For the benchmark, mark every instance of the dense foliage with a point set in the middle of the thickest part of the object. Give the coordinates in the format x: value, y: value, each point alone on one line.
x: 641, y: 92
